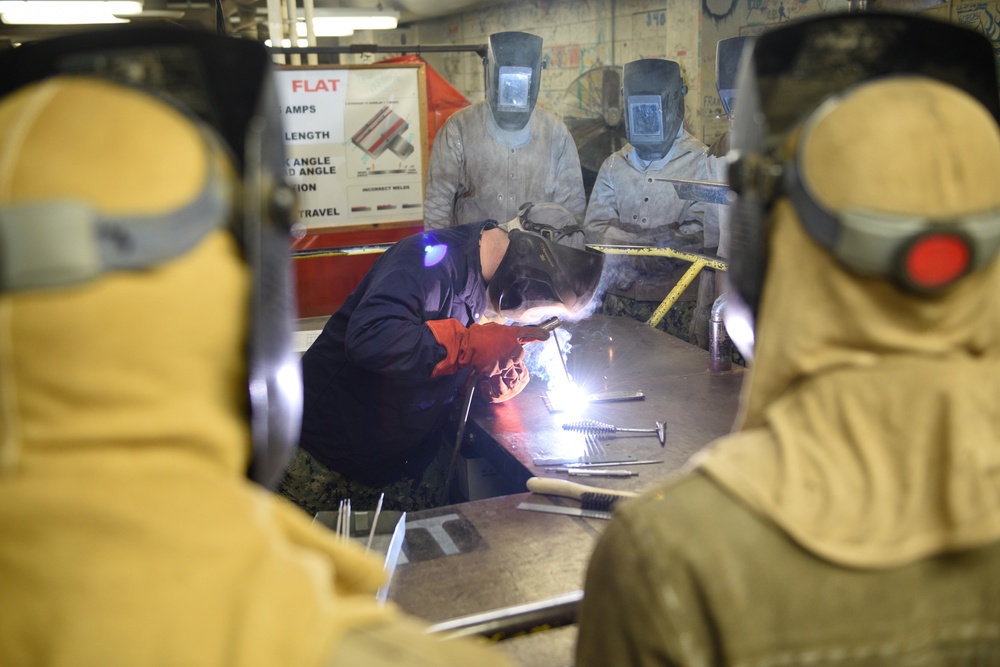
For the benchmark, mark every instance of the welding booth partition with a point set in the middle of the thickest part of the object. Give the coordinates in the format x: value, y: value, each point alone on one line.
x: 357, y: 144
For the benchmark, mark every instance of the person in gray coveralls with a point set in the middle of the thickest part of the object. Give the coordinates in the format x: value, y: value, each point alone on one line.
x: 629, y: 206
x: 494, y: 156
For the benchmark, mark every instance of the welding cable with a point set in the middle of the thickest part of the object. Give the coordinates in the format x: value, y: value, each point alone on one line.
x: 470, y: 390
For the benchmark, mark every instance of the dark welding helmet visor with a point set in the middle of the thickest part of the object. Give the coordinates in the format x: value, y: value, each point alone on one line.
x: 791, y: 73
x: 540, y: 278
x: 513, y: 76
x: 225, y: 85
x: 654, y: 105
x: 727, y: 62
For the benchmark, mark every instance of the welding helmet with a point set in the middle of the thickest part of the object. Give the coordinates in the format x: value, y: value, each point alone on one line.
x: 654, y: 92
x: 542, y: 274
x: 727, y: 62
x: 513, y: 75
x: 795, y: 76
x: 53, y: 243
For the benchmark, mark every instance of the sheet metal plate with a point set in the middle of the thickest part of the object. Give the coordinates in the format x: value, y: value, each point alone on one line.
x: 485, y: 555
x: 610, y: 354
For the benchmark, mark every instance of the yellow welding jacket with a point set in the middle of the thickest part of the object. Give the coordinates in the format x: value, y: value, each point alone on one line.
x: 869, y: 427
x: 131, y: 534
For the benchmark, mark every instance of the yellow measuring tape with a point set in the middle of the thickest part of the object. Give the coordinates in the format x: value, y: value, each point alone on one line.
x: 698, y: 262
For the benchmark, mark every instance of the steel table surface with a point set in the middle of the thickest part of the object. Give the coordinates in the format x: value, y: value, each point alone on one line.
x: 615, y: 354
x: 486, y: 554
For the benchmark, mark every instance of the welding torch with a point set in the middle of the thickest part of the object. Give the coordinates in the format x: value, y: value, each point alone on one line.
x: 551, y: 325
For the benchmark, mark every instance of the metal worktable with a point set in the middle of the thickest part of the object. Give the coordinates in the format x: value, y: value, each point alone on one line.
x: 486, y: 554
x: 607, y: 354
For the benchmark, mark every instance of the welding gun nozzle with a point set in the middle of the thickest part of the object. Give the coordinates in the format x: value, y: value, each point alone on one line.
x: 551, y: 324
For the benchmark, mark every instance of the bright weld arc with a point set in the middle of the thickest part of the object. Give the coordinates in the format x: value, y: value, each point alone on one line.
x: 565, y: 396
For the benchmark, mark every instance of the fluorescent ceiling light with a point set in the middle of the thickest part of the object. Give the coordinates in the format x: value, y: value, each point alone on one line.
x: 66, y: 12
x: 340, y: 22
x: 324, y: 29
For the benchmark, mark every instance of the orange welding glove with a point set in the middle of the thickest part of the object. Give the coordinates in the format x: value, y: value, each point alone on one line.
x: 505, y: 385
x: 488, y: 348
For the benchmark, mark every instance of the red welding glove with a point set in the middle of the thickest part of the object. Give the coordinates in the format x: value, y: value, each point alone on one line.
x: 488, y: 348
x: 504, y: 385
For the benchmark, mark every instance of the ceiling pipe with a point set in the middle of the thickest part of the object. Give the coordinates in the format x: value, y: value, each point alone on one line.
x: 246, y: 19
x: 307, y: 8
x: 291, y: 17
x: 479, y: 49
x: 275, y: 28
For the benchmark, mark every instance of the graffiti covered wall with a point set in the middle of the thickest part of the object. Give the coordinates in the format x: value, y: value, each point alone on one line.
x: 581, y: 35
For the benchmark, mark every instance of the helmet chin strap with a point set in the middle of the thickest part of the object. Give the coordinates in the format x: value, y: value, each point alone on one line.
x: 550, y: 232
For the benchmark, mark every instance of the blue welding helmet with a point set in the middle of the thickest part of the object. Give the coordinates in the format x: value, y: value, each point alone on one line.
x: 654, y: 91
x: 513, y: 76
x: 789, y: 80
x: 224, y: 86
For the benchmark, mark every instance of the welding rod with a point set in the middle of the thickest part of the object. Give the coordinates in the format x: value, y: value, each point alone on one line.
x: 598, y: 472
x: 378, y: 511
x: 605, y: 464
x: 562, y: 358
x: 600, y: 464
x: 551, y: 325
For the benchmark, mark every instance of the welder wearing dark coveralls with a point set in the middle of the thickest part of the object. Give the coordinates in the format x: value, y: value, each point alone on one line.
x: 628, y: 206
x: 853, y: 516
x: 381, y: 379
x: 498, y: 154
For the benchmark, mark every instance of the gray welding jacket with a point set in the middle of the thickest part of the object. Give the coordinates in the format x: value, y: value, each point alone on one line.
x: 628, y: 206
x: 479, y: 172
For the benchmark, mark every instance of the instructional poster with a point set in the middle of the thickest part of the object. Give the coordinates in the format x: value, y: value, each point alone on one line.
x: 354, y: 143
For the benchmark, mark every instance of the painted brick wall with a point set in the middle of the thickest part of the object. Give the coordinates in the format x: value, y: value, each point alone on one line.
x: 579, y: 35
x: 582, y: 34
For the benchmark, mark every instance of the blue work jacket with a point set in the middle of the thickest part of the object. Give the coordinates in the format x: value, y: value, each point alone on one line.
x: 370, y: 402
